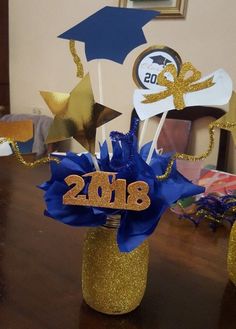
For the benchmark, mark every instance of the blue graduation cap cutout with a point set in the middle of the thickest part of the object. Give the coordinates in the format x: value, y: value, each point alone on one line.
x: 111, y: 33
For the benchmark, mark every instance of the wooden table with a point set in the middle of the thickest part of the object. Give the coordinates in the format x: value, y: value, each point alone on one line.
x: 40, y: 269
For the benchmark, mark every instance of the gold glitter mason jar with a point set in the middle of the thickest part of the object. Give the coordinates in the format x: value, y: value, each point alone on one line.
x: 112, y: 282
x: 232, y: 255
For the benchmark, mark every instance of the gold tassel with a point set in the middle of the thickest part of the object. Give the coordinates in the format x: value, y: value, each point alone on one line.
x: 77, y: 60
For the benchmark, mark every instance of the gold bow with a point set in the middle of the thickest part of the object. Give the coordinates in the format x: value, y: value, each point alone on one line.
x: 180, y: 86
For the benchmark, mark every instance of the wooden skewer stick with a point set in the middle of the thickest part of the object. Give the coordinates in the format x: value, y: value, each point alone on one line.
x: 142, y: 134
x: 155, y: 139
x: 95, y: 162
x: 101, y: 99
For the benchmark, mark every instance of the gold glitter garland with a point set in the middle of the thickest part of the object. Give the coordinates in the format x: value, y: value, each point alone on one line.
x: 181, y: 156
x: 180, y: 84
x: 20, y: 159
x: 202, y: 156
x: 77, y: 60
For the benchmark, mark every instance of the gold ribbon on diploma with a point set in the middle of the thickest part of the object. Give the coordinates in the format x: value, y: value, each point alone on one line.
x: 182, y: 83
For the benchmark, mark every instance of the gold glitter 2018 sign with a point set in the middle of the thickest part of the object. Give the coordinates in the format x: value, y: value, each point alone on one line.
x: 107, y: 193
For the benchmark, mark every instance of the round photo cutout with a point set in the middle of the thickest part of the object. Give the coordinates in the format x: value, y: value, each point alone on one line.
x: 151, y: 62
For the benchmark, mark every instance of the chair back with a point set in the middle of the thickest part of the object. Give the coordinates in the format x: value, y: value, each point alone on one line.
x: 193, y: 113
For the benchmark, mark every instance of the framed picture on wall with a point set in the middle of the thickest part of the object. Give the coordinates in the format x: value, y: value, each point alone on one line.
x: 167, y: 8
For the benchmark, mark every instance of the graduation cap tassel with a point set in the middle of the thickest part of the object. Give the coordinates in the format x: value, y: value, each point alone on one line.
x: 77, y: 60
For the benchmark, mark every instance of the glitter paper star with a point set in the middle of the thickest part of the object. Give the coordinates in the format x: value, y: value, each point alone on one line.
x: 77, y: 115
x: 230, y: 116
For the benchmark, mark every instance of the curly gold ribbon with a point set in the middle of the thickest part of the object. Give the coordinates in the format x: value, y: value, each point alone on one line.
x: 180, y: 86
x: 202, y: 156
x: 77, y: 60
x: 166, y: 174
x: 19, y: 157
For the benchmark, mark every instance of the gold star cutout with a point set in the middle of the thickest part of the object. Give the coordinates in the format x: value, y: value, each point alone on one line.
x: 77, y: 115
x: 230, y: 117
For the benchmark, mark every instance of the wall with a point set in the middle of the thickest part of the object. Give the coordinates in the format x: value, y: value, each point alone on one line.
x: 40, y: 61
x: 4, y: 59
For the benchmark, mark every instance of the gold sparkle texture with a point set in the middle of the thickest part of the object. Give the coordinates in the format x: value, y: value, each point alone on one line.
x: 112, y: 282
x: 21, y: 160
x: 77, y: 115
x: 72, y: 197
x: 77, y: 60
x: 184, y: 82
x: 230, y: 117
x: 101, y: 190
x: 231, y: 260
x: 138, y: 198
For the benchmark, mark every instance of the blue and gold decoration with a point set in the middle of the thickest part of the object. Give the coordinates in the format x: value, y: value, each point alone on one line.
x: 128, y: 164
x: 118, y: 195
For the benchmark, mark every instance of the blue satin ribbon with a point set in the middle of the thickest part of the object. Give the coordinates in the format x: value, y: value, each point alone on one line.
x: 135, y: 226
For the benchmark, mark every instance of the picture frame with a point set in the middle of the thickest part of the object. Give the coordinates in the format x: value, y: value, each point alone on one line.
x: 167, y: 8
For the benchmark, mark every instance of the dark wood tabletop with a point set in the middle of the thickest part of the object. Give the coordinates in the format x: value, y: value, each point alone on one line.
x: 40, y: 268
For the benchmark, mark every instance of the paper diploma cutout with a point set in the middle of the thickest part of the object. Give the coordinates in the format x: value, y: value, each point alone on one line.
x: 5, y: 148
x: 101, y: 191
x: 218, y: 93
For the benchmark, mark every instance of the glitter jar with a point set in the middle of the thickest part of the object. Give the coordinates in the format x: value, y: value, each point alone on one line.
x: 112, y: 282
x: 232, y: 255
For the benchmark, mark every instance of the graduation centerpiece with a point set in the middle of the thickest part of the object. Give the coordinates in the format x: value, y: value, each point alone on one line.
x: 121, y: 195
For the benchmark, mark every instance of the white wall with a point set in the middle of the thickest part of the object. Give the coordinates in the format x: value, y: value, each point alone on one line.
x: 40, y: 61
